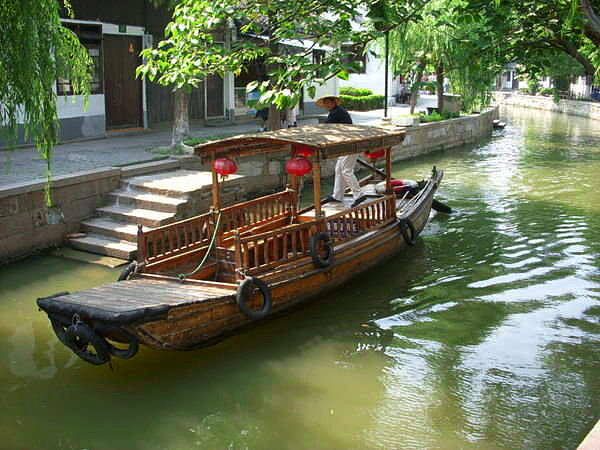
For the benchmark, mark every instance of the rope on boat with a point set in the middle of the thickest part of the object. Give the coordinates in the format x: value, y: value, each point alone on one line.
x: 183, y: 276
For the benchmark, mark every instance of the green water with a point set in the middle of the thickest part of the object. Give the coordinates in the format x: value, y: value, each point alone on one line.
x: 484, y: 335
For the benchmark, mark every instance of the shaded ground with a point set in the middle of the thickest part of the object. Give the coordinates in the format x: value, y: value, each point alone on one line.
x: 25, y: 164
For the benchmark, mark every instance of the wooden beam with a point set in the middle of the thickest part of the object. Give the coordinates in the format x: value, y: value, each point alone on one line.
x: 388, y: 170
x: 215, y: 185
x: 317, y: 188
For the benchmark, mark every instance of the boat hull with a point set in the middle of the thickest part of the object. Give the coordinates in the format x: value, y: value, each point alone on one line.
x: 190, y: 327
x: 174, y: 315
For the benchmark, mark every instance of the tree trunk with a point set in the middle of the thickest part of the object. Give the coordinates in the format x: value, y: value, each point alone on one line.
x: 592, y: 25
x: 439, y: 78
x: 181, y: 119
x: 274, y: 122
x: 414, y: 90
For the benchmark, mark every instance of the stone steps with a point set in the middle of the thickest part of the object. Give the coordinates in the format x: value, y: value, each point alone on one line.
x: 179, y: 183
x: 152, y: 200
x: 104, y: 245
x: 128, y: 214
x: 146, y: 200
x: 111, y: 228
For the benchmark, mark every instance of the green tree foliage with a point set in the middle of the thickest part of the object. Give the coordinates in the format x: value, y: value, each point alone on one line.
x: 282, y: 33
x: 530, y: 32
x: 445, y: 43
x: 35, y: 49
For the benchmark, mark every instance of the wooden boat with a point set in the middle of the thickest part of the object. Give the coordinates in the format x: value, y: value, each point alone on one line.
x: 202, y: 279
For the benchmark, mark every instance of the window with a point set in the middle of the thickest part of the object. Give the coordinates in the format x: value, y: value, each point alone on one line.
x: 355, y: 54
x: 90, y: 37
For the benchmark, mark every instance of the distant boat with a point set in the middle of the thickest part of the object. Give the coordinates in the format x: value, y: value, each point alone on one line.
x: 199, y: 280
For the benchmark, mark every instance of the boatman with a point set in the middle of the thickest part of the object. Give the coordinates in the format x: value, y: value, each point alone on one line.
x: 344, y: 168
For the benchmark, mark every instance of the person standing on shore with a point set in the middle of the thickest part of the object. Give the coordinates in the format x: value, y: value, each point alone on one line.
x: 344, y: 167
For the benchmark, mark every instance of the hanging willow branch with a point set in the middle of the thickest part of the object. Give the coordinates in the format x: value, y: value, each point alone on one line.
x: 35, y: 49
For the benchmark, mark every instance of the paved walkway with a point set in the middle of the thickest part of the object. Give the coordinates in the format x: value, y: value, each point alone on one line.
x: 25, y: 164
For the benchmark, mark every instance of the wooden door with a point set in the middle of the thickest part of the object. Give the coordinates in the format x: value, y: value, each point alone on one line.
x: 122, y: 92
x: 215, y: 106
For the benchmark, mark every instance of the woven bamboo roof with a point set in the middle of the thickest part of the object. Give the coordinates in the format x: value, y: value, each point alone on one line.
x: 331, y: 140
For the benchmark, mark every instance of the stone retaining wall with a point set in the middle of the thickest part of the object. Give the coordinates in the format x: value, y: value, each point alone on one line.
x: 572, y: 107
x: 26, y: 225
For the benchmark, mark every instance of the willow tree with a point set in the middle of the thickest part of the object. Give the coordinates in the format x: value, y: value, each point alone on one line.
x: 35, y: 49
x: 418, y: 44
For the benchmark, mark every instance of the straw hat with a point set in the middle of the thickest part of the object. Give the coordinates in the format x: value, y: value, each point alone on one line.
x: 320, y: 100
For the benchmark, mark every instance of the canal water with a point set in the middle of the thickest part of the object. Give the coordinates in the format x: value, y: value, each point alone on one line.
x: 484, y: 335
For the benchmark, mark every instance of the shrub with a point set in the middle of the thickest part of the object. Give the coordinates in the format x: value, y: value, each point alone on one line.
x: 546, y: 91
x: 436, y: 116
x: 533, y: 85
x: 429, y: 86
x: 355, y: 92
x: 362, y: 103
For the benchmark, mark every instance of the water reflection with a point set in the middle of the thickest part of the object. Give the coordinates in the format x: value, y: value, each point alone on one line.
x: 484, y: 335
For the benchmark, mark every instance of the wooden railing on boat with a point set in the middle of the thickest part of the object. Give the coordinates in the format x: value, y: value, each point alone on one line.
x: 175, y: 238
x: 259, y: 211
x: 264, y: 251
x: 361, y: 219
x: 196, y: 232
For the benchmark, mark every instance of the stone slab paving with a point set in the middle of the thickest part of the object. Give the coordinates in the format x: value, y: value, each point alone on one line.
x: 25, y: 164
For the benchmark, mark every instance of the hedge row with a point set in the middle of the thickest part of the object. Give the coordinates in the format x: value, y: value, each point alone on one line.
x: 362, y: 103
x: 355, y: 92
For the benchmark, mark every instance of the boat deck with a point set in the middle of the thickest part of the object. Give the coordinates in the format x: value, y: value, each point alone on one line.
x: 132, y: 299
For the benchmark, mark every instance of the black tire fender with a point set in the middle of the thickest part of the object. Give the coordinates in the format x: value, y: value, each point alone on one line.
x: 409, y: 233
x: 317, y: 240
x: 125, y: 353
x: 245, y: 292
x: 60, y: 330
x: 116, y: 334
x: 127, y: 271
x: 78, y: 336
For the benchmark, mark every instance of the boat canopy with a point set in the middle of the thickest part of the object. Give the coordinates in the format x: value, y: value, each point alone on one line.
x: 328, y: 140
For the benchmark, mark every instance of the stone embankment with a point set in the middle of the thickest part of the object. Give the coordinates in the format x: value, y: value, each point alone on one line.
x: 590, y: 110
x: 107, y: 204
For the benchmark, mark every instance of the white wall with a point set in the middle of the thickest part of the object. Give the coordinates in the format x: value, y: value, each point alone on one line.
x: 373, y: 79
x: 69, y: 106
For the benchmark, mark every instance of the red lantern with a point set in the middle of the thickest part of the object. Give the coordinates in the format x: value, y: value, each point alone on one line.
x: 375, y: 155
x: 304, y: 150
x: 298, y: 166
x: 225, y: 166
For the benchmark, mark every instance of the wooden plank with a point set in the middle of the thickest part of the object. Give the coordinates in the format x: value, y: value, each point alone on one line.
x: 317, y: 188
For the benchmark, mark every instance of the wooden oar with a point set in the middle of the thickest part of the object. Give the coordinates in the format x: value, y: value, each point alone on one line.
x: 435, y: 204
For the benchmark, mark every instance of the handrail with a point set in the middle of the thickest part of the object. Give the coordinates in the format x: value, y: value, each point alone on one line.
x: 188, y: 234
x: 362, y: 218
x: 169, y: 240
x: 270, y: 249
x: 257, y: 211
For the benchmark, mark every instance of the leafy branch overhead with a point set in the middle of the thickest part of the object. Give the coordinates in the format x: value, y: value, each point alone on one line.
x: 281, y: 33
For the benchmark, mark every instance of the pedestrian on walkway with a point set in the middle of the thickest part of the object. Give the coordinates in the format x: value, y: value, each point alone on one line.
x: 344, y: 167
